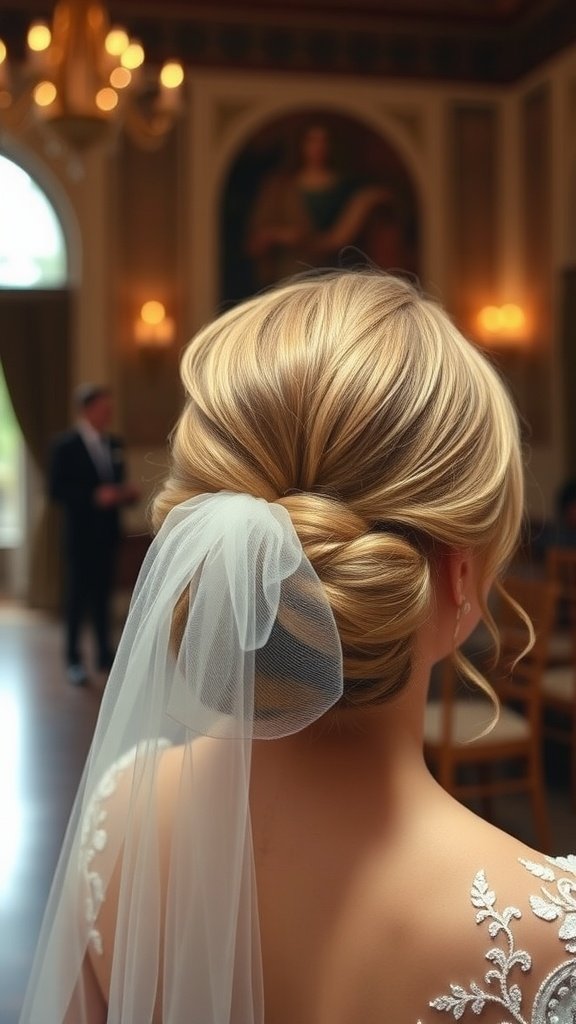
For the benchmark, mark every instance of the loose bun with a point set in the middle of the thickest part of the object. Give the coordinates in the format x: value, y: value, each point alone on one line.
x: 356, y: 404
x: 378, y: 585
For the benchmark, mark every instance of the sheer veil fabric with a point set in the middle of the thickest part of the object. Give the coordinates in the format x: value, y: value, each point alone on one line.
x: 252, y: 653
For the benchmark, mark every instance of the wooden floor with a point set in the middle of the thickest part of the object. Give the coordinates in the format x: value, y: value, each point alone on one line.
x: 45, y: 730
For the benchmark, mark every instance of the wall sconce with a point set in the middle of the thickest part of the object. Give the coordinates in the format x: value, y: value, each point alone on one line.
x: 503, y: 326
x: 154, y: 330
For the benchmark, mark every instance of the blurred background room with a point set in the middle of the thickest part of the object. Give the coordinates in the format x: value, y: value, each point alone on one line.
x: 162, y: 160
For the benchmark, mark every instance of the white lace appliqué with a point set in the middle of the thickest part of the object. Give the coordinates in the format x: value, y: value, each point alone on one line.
x: 555, y: 1002
x: 558, y: 904
x: 94, y: 838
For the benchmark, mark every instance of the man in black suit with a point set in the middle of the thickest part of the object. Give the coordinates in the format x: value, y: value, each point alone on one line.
x: 87, y: 477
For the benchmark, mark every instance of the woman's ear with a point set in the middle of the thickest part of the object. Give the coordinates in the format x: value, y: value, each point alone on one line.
x: 459, y: 609
x: 460, y: 573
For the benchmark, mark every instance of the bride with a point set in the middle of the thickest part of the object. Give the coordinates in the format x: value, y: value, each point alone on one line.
x: 257, y: 839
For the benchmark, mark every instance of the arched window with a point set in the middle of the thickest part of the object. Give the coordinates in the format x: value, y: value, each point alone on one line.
x: 32, y: 255
x: 32, y: 247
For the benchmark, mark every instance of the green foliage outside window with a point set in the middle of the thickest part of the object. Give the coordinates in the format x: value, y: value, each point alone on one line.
x: 10, y: 441
x: 32, y: 255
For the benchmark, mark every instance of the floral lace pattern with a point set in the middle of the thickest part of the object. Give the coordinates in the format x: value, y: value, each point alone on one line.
x: 94, y: 838
x: 555, y: 1002
x: 558, y: 904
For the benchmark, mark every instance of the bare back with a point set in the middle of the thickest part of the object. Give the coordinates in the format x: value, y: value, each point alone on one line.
x: 366, y: 912
x: 369, y: 917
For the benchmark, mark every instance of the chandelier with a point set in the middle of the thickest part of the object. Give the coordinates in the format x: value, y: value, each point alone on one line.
x: 83, y: 80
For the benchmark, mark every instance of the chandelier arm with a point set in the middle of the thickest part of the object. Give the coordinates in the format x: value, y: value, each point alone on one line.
x: 148, y: 132
x: 18, y: 112
x: 70, y: 91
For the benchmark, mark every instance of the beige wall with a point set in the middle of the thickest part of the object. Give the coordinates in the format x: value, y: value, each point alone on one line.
x: 556, y: 190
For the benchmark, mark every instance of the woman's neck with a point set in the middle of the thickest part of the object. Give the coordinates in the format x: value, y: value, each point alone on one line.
x: 373, y: 757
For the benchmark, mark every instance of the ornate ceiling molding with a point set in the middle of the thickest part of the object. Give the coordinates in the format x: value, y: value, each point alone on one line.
x: 485, y: 41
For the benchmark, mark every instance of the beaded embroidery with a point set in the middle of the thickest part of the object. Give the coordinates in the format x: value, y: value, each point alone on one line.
x: 555, y: 1002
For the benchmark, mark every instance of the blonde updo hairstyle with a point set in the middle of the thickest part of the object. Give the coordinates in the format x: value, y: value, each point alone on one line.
x: 357, y: 405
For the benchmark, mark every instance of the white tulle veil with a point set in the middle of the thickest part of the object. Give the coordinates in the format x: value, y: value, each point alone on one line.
x: 257, y: 656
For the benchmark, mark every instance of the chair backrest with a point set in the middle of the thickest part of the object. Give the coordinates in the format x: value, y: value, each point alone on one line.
x: 561, y: 571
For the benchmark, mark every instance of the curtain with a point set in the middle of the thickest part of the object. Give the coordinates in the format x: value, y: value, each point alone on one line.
x: 35, y: 356
x: 568, y: 364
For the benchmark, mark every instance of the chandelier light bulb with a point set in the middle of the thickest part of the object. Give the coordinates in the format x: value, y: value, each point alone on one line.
x: 39, y: 37
x: 81, y: 77
x: 45, y: 93
x: 120, y: 78
x: 172, y: 74
x: 132, y: 57
x: 4, y: 84
x: 106, y: 99
x: 116, y: 41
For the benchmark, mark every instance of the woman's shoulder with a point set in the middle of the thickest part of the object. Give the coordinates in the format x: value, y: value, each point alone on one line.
x: 522, y: 964
x: 480, y: 928
x: 511, y: 947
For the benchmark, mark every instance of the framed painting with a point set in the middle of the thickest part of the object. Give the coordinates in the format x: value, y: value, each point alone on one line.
x: 315, y: 189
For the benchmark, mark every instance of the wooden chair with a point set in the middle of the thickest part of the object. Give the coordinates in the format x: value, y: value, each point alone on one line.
x: 559, y: 678
x: 561, y: 571
x: 453, y: 721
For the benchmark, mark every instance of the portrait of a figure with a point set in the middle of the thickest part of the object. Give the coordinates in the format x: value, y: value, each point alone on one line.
x: 304, y: 189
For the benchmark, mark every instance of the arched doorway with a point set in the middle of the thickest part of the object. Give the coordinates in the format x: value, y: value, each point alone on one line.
x: 33, y: 304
